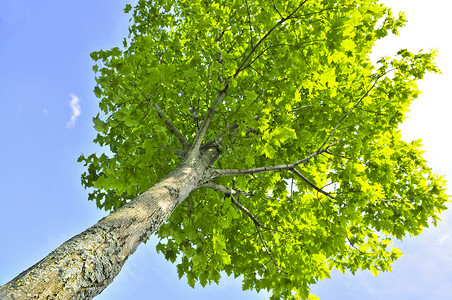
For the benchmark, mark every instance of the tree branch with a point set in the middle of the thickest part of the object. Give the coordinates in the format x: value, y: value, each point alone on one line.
x: 194, y: 115
x: 225, y: 190
x: 233, y: 192
x: 177, y: 152
x: 258, y: 226
x: 222, y: 94
x: 233, y: 172
x: 274, y: 46
x: 208, y: 119
x: 266, y: 249
x: 312, y: 184
x: 230, y: 193
x: 322, y: 149
x: 174, y: 130
x: 240, y: 68
x: 338, y: 155
x: 219, y: 138
x: 249, y: 24
x: 354, y: 106
x: 247, y: 212
x: 274, y: 6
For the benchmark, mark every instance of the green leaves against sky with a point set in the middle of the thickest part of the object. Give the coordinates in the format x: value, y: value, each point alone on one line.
x: 298, y: 82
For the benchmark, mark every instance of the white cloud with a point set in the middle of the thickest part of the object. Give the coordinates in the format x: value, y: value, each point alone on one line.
x: 45, y: 112
x: 76, y: 110
x: 442, y: 239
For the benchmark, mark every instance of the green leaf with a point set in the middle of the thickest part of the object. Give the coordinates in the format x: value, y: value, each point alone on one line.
x: 99, y: 125
x: 348, y: 45
x: 97, y: 92
x: 128, y: 8
x: 251, y: 95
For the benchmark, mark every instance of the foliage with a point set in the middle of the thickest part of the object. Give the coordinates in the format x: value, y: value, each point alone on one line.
x: 301, y: 99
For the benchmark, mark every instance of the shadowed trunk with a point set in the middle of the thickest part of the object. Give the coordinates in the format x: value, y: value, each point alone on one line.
x: 86, y: 264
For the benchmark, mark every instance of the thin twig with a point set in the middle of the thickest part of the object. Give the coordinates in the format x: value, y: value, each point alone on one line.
x: 240, y: 68
x: 258, y: 226
x: 267, y: 249
x: 334, y: 154
x: 354, y: 106
x: 225, y: 190
x: 170, y: 125
x: 231, y: 128
x: 247, y: 212
x: 312, y: 184
x: 274, y: 6
x: 249, y: 24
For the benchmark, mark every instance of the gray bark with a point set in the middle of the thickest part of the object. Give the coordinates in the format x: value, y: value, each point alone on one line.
x: 86, y: 264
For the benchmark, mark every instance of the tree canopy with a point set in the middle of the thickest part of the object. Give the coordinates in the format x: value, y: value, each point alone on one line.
x: 312, y: 173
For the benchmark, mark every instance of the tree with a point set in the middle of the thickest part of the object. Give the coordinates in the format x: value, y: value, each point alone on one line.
x: 269, y: 129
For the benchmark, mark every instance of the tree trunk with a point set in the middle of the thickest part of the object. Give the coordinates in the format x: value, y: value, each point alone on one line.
x: 86, y: 264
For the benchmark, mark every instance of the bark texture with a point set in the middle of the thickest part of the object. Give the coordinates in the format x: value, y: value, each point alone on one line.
x: 86, y: 264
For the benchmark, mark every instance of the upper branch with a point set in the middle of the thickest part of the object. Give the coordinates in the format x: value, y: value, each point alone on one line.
x: 208, y: 119
x: 322, y: 149
x: 232, y: 172
x: 249, y: 24
x: 174, y: 130
x: 241, y: 67
x: 354, y: 106
x: 222, y: 94
x: 219, y: 138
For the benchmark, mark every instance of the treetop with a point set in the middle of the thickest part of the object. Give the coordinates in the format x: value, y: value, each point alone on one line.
x: 312, y: 174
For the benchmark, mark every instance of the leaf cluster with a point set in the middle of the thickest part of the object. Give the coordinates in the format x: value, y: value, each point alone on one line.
x: 298, y: 83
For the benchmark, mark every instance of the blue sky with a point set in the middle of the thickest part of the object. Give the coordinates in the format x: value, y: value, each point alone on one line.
x: 46, y: 106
